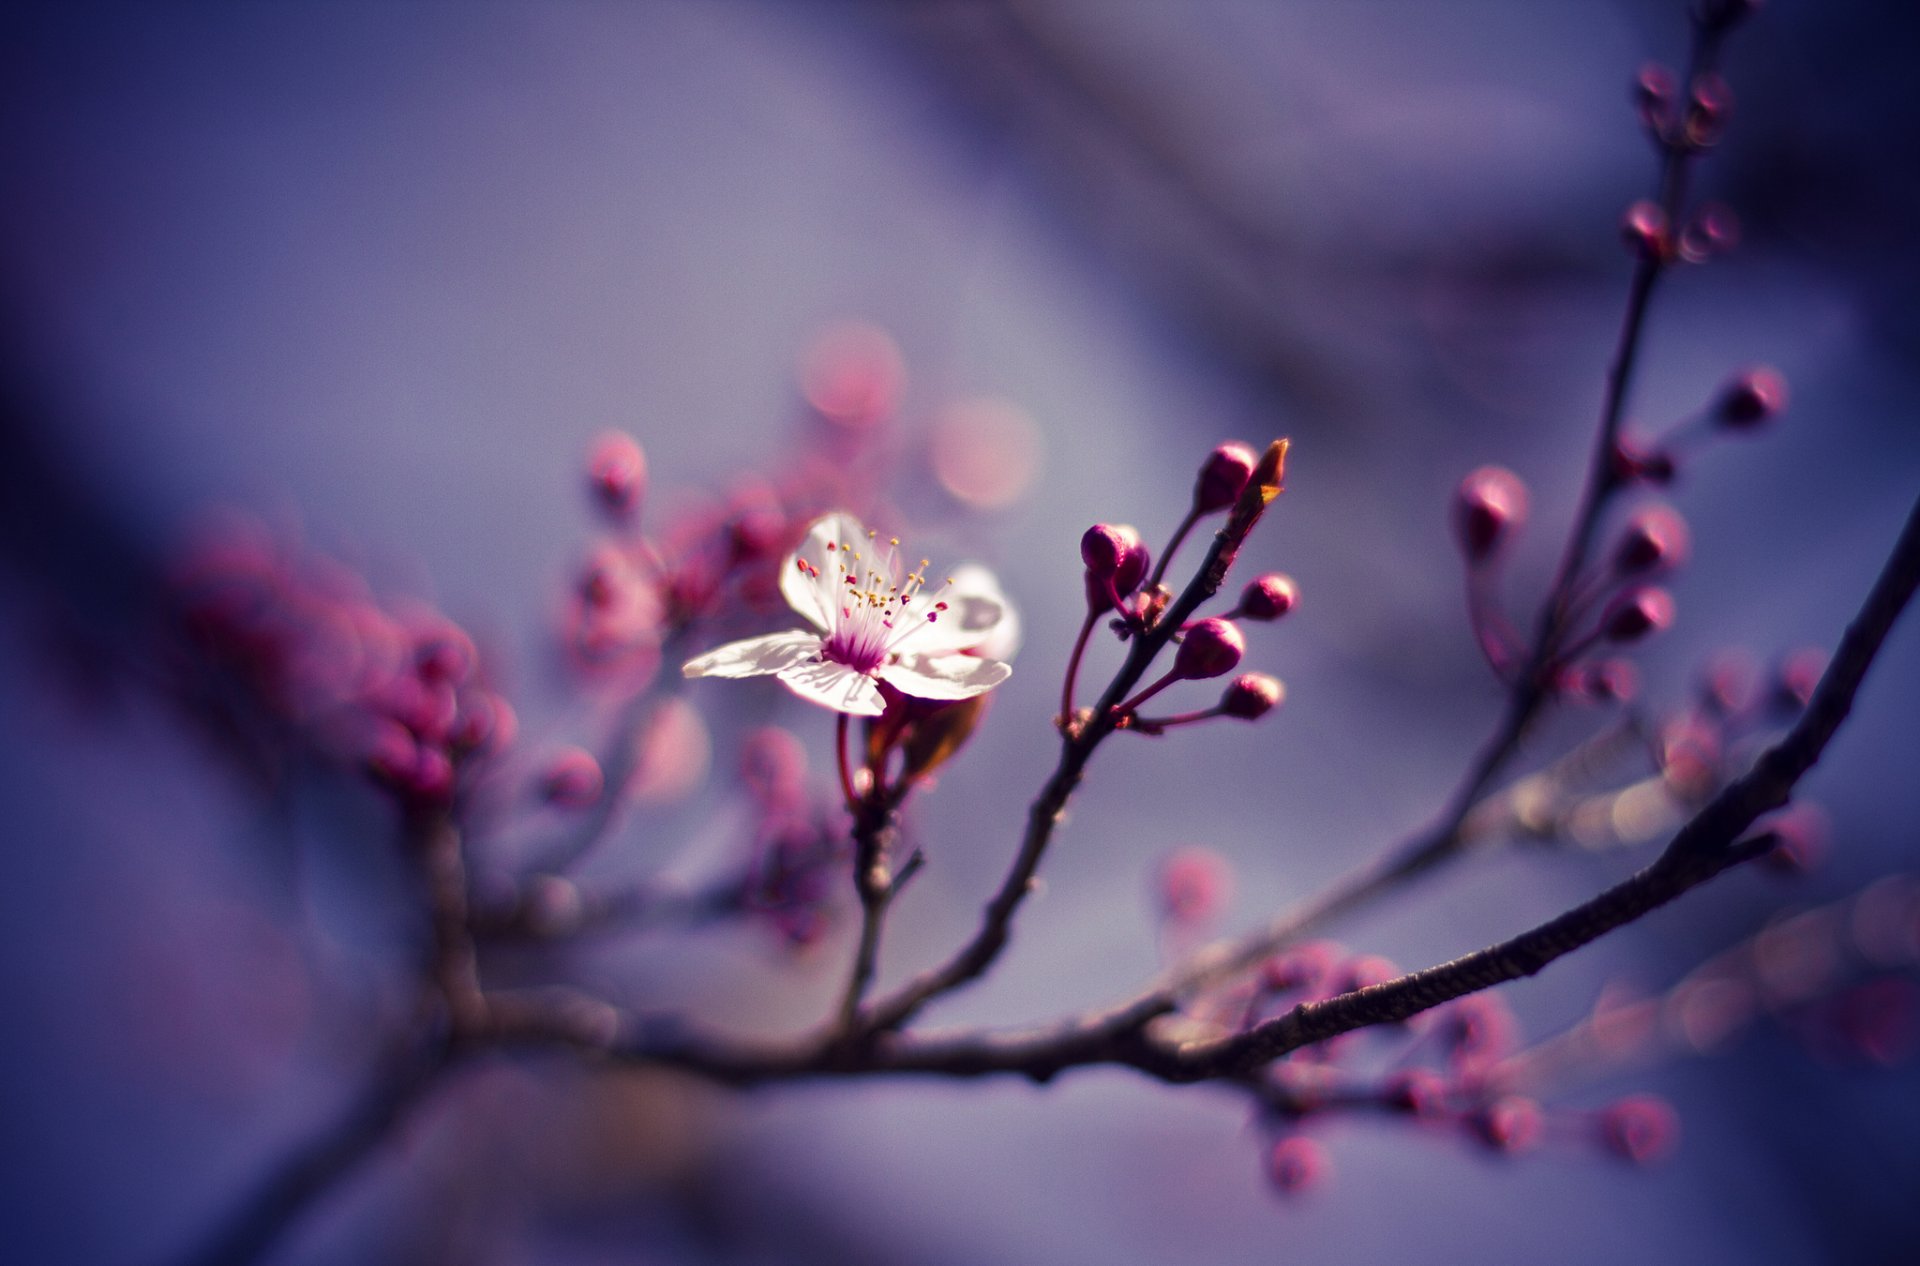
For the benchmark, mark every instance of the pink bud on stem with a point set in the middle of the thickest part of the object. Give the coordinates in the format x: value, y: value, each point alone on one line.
x: 617, y: 473
x: 1295, y: 1164
x: 1646, y: 232
x: 1116, y: 562
x: 572, y: 779
x: 1639, y: 1129
x: 1489, y: 506
x: 1655, y: 541
x: 1268, y: 597
x: 1753, y: 398
x: 1250, y: 697
x: 1636, y: 614
x: 1211, y: 648
x: 1223, y: 477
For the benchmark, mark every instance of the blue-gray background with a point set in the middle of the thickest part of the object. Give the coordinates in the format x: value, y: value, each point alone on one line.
x: 382, y: 271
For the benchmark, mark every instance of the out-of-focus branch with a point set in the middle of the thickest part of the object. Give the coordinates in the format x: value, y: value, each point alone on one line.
x: 320, y: 1163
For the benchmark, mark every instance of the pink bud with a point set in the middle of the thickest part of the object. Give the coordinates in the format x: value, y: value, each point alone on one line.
x: 1638, y: 613
x: 1104, y: 546
x: 1798, y: 676
x: 1754, y: 397
x: 1211, y: 648
x: 1607, y: 680
x: 1800, y: 836
x: 1418, y: 1091
x: 1510, y: 1124
x: 1488, y: 506
x: 1296, y: 1163
x: 773, y: 764
x: 1729, y: 682
x: 1640, y: 1129
x: 1193, y: 885
x: 1714, y: 230
x: 1268, y: 597
x: 572, y: 779
x: 1223, y: 476
x: 1645, y: 229
x: 1653, y: 90
x: 1252, y: 696
x: 1116, y: 562
x: 1709, y: 107
x: 1655, y: 540
x: 391, y: 752
x: 1477, y: 1029
x: 432, y: 781
x: 617, y: 472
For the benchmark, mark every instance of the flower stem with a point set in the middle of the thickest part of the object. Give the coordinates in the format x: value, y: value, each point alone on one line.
x: 1179, y: 535
x: 1073, y: 666
x: 1148, y: 693
x: 846, y: 771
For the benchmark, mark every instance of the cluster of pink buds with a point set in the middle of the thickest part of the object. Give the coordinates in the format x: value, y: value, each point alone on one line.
x: 1121, y: 580
x: 641, y: 586
x: 299, y: 641
x: 797, y: 850
x: 1460, y: 1068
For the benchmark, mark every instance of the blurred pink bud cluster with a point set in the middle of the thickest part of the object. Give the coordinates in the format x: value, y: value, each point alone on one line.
x: 301, y: 642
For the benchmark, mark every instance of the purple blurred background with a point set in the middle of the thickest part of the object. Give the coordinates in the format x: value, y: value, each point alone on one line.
x: 381, y: 272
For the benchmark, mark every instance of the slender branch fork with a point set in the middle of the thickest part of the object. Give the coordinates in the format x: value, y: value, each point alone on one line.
x: 870, y: 1037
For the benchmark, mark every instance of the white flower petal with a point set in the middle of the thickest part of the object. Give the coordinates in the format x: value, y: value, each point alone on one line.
x: 834, y: 686
x: 815, y: 594
x: 975, y: 615
x: 755, y: 657
x: 944, y: 676
x: 1003, y: 639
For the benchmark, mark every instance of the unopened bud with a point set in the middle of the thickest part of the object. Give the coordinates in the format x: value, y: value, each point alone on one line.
x: 1709, y: 107
x: 1606, y: 681
x: 1754, y: 397
x: 1638, y: 613
x: 1714, y: 230
x: 1117, y: 561
x: 1223, y: 476
x: 1489, y: 505
x: 617, y: 471
x: 1211, y: 648
x: 1193, y: 885
x: 1799, y: 673
x: 1800, y: 836
x: 572, y: 779
x: 1105, y: 545
x: 1729, y: 682
x: 1268, y: 597
x: 1296, y: 1163
x: 1420, y: 1092
x: 1640, y: 1129
x: 1645, y: 230
x: 1510, y: 1124
x: 1252, y: 696
x: 1655, y: 540
x: 1653, y: 90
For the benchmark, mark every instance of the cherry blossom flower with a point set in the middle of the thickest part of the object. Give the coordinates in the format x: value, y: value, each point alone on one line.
x: 872, y: 624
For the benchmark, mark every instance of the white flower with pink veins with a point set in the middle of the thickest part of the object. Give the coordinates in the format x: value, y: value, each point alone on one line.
x: 871, y: 624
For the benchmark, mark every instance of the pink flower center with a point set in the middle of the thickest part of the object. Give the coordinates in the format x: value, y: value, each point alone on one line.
x: 872, y: 615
